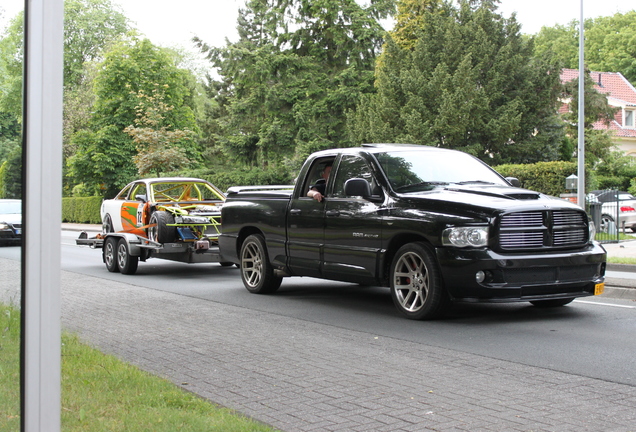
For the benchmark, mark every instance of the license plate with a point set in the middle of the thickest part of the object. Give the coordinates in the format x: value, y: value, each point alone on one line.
x: 599, y: 288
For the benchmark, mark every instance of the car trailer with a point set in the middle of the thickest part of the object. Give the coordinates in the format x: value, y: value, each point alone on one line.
x: 121, y: 251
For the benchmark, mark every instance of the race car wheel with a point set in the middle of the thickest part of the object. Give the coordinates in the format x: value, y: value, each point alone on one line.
x: 127, y: 263
x: 256, y: 271
x: 107, y: 225
x: 159, y: 231
x: 109, y: 253
x: 416, y: 284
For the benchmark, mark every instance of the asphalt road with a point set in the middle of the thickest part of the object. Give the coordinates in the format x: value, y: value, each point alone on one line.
x: 592, y: 337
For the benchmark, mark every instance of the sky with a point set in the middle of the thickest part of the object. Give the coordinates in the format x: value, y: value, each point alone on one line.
x: 173, y: 23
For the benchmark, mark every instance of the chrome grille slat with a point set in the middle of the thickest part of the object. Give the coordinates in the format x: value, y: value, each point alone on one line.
x: 543, y: 230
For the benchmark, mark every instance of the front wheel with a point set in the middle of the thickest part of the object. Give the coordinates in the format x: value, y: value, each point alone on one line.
x: 126, y: 262
x: 416, y: 284
x: 256, y: 271
x: 551, y: 303
x: 110, y: 254
x: 159, y: 231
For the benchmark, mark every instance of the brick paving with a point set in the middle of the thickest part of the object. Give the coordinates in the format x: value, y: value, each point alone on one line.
x: 301, y: 376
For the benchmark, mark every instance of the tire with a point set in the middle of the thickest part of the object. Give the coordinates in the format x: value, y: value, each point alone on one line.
x: 551, y: 303
x: 256, y: 271
x: 605, y: 223
x: 107, y: 225
x: 416, y: 283
x: 109, y: 253
x: 161, y: 232
x: 127, y: 263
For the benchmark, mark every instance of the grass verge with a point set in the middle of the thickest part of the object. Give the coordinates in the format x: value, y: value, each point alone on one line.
x: 102, y: 393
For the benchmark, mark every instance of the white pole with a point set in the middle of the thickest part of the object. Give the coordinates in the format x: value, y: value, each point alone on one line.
x: 42, y: 195
x: 581, y: 129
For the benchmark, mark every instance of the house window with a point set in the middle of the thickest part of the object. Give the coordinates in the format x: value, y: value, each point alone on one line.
x: 629, y: 118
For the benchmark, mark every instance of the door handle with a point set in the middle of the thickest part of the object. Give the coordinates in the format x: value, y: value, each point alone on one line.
x: 332, y: 213
x: 295, y: 211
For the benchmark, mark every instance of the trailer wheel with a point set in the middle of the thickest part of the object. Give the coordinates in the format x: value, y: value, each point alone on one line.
x: 110, y: 254
x: 161, y: 232
x: 127, y: 263
x: 416, y: 284
x: 256, y: 271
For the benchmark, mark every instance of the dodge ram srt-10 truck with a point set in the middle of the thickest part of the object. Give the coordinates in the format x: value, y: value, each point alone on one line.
x: 434, y: 225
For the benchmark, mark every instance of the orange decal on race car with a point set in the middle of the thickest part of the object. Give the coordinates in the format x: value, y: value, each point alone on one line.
x: 129, y: 215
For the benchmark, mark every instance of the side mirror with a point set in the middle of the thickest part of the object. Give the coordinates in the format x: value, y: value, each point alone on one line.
x: 141, y: 198
x: 514, y: 181
x: 357, y: 187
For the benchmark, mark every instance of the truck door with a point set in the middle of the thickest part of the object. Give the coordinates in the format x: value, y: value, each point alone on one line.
x: 306, y: 223
x: 353, y: 226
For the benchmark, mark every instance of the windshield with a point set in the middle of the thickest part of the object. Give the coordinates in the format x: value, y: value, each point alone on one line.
x: 14, y: 207
x: 412, y: 170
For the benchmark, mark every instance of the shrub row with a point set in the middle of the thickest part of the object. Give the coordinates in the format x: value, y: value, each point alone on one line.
x: 81, y: 210
x: 546, y: 177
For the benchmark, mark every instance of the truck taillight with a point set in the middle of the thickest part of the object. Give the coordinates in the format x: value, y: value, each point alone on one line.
x: 627, y: 209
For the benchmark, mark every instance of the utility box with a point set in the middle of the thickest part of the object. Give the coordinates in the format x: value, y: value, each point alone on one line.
x: 572, y: 182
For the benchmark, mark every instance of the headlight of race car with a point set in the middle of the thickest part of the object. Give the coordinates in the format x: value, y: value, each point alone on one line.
x: 465, y: 236
x: 193, y: 220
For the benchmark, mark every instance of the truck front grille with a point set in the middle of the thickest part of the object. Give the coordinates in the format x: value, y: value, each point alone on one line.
x: 549, y: 229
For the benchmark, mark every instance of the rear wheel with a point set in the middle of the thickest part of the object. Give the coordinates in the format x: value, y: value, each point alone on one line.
x: 606, y: 220
x: 416, y: 283
x: 127, y: 263
x: 256, y: 271
x: 159, y: 231
x: 110, y: 254
x: 551, y: 303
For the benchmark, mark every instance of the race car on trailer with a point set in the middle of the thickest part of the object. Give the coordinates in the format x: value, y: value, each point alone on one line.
x: 173, y: 218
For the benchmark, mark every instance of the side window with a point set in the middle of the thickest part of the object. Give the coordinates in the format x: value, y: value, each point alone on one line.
x: 139, y: 189
x: 124, y: 193
x: 319, y: 171
x: 351, y: 167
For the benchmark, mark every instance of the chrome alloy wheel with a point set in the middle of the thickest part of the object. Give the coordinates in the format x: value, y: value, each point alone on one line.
x: 411, y: 282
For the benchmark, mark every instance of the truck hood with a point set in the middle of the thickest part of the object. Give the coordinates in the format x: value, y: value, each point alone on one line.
x: 493, y: 197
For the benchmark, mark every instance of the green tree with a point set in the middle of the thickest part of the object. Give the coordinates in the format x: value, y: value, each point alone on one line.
x: 598, y: 143
x: 462, y: 77
x: 104, y: 158
x: 610, y: 44
x: 157, y: 146
x: 297, y: 67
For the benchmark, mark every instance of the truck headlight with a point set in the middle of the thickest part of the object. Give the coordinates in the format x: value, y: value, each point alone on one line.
x: 592, y: 229
x: 465, y: 237
x: 4, y: 226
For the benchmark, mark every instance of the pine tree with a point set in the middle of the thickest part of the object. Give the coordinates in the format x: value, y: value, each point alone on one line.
x: 462, y: 77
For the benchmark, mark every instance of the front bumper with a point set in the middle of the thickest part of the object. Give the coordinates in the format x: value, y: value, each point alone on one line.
x: 521, y: 276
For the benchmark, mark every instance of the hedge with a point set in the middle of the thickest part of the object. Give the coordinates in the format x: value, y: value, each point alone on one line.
x: 81, y: 209
x: 546, y: 177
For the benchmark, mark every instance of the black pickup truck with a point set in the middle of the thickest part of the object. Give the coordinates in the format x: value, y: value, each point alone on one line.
x: 434, y: 225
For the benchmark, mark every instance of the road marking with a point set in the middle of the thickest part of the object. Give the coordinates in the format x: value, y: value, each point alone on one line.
x: 606, y: 304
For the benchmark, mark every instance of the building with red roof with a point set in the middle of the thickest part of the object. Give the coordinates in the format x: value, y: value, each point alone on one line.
x: 620, y: 94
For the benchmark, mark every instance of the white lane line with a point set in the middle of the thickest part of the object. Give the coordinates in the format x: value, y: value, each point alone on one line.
x: 605, y: 304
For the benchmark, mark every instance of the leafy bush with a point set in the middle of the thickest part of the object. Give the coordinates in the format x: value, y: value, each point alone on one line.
x: 81, y: 209
x: 546, y: 177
